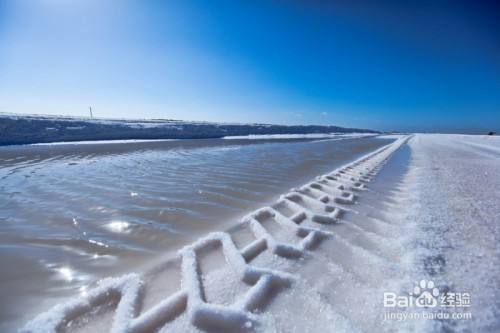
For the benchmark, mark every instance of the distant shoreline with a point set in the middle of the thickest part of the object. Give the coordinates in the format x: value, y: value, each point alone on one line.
x: 18, y: 129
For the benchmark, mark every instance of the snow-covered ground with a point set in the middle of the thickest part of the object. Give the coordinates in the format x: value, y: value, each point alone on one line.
x: 415, y: 221
x: 454, y: 185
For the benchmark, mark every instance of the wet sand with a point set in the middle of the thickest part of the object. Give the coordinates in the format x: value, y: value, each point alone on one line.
x: 72, y: 214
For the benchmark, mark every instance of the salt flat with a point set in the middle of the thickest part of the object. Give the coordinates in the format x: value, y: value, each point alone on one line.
x: 320, y: 258
x: 72, y: 214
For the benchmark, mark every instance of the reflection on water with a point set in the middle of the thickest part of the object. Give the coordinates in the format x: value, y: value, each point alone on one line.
x: 70, y: 214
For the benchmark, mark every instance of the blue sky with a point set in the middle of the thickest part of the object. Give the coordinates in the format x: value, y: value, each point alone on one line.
x: 418, y: 66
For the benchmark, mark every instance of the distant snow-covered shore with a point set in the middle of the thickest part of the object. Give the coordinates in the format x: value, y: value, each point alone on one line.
x: 25, y: 129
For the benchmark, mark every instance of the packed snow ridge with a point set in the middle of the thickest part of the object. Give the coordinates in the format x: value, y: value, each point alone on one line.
x: 25, y: 129
x: 289, y: 229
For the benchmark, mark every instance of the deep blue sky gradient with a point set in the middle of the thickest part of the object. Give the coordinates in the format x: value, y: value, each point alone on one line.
x: 403, y: 65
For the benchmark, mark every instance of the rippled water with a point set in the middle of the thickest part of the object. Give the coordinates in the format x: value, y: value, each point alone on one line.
x: 70, y: 214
